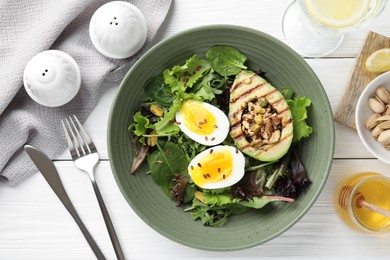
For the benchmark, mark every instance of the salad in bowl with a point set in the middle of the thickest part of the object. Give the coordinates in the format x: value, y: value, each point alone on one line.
x: 174, y: 109
x: 219, y: 139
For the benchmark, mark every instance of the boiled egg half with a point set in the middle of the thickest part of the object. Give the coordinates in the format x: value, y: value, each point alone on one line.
x: 217, y: 167
x: 202, y: 122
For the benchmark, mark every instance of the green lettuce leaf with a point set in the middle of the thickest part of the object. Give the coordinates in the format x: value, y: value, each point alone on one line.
x: 140, y: 124
x: 181, y: 77
x: 166, y: 125
x: 298, y: 107
x: 209, y: 86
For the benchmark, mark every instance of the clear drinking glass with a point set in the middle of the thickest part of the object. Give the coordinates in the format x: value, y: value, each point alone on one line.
x: 316, y: 27
x: 363, y: 202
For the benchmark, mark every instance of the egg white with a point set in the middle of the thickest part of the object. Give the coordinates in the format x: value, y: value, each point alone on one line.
x: 217, y: 136
x: 238, y: 167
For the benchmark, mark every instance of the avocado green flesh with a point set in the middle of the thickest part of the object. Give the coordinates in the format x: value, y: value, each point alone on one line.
x: 248, y: 87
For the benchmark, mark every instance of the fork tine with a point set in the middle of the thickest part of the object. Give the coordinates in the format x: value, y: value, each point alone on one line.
x: 76, y: 140
x: 87, y: 139
x: 82, y: 144
x: 73, y: 150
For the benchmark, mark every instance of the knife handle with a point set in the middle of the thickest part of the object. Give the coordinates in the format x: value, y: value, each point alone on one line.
x: 49, y: 172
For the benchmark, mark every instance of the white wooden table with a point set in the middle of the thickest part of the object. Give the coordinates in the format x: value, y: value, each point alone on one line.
x: 35, y: 225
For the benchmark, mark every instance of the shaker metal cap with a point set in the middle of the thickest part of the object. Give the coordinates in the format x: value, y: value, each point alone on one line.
x: 118, y: 29
x: 52, y: 78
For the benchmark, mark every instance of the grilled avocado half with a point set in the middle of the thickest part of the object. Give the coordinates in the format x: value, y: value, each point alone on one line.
x: 261, y: 123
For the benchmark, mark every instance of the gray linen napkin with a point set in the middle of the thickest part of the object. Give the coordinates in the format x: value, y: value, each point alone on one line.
x: 29, y: 27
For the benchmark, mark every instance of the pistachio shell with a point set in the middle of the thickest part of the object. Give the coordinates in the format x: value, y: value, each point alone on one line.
x: 384, y: 125
x: 372, y: 121
x: 387, y: 110
x: 383, y: 118
x: 376, y: 131
x: 376, y: 105
x: 383, y: 94
x: 152, y: 140
x: 156, y: 110
x: 384, y: 137
x: 199, y: 196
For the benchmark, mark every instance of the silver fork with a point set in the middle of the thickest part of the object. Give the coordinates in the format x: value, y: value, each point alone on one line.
x: 85, y: 158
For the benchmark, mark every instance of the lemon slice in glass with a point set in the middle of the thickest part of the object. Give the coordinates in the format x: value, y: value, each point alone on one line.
x: 338, y: 13
x: 379, y: 61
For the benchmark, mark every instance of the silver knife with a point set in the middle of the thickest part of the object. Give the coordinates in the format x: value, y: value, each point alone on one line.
x: 49, y: 172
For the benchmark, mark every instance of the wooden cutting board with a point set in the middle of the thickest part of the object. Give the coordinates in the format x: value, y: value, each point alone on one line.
x: 360, y: 77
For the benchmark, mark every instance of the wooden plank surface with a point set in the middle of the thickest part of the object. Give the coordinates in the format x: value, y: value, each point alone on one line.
x: 359, y: 79
x: 34, y: 225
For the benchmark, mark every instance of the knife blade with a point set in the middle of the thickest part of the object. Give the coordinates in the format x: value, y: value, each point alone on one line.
x: 49, y: 172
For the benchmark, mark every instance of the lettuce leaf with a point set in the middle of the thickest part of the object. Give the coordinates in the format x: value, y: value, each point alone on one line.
x: 141, y: 124
x: 181, y: 77
x: 166, y: 125
x: 209, y: 86
x: 298, y: 107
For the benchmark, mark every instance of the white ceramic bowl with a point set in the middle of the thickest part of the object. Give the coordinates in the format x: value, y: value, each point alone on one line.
x: 363, y: 112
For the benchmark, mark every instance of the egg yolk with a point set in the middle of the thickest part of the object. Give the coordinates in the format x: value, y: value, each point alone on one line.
x: 213, y: 167
x: 198, y: 119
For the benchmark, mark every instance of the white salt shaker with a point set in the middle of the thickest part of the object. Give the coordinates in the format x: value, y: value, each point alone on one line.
x: 52, y: 78
x: 118, y: 29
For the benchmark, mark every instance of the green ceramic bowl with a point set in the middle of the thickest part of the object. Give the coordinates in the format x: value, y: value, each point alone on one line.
x: 284, y: 68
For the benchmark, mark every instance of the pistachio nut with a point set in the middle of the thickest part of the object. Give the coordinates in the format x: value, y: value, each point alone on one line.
x: 376, y: 105
x: 372, y: 121
x: 376, y: 131
x: 383, y: 118
x: 156, y: 110
x: 383, y: 94
x: 152, y: 140
x: 387, y: 110
x: 384, y: 137
x: 384, y: 125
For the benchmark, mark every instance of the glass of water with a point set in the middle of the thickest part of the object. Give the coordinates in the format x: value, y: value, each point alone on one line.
x: 316, y: 28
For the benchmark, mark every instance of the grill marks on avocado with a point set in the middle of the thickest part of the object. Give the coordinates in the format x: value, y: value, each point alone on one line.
x: 261, y: 121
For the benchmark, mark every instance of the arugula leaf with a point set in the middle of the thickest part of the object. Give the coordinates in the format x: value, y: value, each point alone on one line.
x: 189, y: 146
x: 213, y: 216
x: 226, y: 60
x: 298, y: 107
x: 155, y: 89
x: 181, y: 77
x: 165, y: 163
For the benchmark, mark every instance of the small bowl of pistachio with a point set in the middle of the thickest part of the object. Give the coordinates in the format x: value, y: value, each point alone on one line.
x: 373, y: 117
